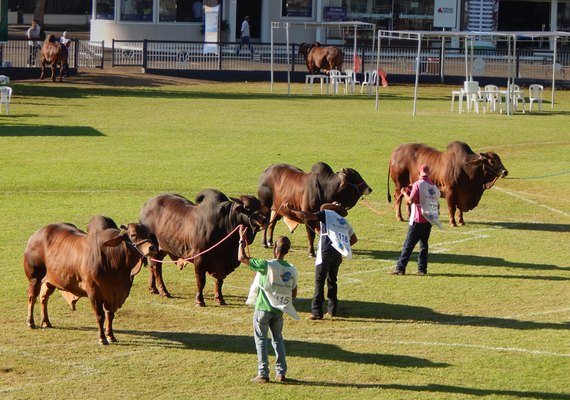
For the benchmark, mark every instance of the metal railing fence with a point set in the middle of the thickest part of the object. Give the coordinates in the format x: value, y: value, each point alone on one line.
x: 18, y: 53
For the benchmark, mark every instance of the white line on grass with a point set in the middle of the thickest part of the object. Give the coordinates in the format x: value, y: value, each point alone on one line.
x: 441, y: 344
x: 520, y: 197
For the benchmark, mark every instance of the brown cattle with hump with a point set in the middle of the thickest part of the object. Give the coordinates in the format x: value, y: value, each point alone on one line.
x: 460, y: 174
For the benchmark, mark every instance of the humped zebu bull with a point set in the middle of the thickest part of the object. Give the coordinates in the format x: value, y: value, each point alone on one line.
x: 282, y: 183
x: 460, y: 174
x: 321, y: 59
x: 100, y: 265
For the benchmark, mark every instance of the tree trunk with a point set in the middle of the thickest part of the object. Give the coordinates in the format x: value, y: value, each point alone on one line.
x: 39, y: 11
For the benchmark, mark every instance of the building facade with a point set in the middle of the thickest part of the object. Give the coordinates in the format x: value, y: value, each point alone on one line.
x: 179, y: 19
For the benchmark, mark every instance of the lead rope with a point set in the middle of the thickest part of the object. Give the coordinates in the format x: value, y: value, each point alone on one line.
x: 182, y: 261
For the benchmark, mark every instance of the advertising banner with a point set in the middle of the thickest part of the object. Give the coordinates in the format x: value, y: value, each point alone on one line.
x: 211, y: 30
x: 445, y: 13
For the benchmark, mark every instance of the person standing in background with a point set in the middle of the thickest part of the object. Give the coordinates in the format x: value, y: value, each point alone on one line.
x: 34, y: 36
x: 66, y: 42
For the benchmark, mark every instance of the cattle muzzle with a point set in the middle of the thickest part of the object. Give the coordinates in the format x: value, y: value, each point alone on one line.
x: 362, y: 188
x: 258, y: 220
x: 145, y: 247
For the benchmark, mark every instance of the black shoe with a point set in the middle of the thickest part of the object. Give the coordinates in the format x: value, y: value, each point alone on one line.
x: 280, y: 378
x: 396, y: 272
x: 314, y: 317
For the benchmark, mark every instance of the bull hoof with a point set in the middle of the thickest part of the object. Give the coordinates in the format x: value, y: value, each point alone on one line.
x: 166, y: 294
x: 153, y: 290
x: 221, y: 302
x: 31, y: 325
x: 200, y: 304
x: 112, y: 339
x: 266, y: 246
x: 399, y: 219
x: 103, y: 342
x: 46, y: 325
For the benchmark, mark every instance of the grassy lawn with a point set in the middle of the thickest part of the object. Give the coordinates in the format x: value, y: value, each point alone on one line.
x: 491, y: 320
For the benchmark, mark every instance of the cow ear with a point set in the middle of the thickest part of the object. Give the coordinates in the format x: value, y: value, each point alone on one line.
x: 123, y: 227
x: 114, y: 242
x: 137, y: 268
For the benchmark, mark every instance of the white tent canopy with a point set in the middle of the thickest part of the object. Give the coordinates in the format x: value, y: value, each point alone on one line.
x: 469, y: 38
x: 315, y: 25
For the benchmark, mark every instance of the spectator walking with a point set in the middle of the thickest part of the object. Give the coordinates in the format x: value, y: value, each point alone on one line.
x: 424, y: 199
x: 245, y: 37
x: 277, y: 283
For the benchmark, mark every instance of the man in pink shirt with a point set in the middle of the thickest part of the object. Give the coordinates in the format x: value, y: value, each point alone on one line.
x: 425, y: 193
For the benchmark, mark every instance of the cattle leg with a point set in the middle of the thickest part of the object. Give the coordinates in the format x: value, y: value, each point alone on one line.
x: 460, y: 220
x: 61, y: 71
x: 43, y: 70
x: 109, y: 330
x: 451, y: 207
x: 218, y: 297
x: 311, y: 238
x: 200, y: 284
x: 155, y: 283
x: 100, y: 317
x: 268, y: 233
x: 46, y: 291
x: 33, y: 292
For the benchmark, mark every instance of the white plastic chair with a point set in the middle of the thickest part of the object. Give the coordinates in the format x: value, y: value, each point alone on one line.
x: 5, y: 96
x: 337, y: 77
x: 493, y: 97
x: 370, y: 77
x: 518, y: 96
x: 472, y: 96
x: 535, y: 95
x: 4, y: 80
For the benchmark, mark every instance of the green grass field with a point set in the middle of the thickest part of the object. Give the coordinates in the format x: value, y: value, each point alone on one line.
x: 491, y: 320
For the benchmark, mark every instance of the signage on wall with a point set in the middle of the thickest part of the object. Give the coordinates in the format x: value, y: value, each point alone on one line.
x: 445, y: 13
x: 335, y: 14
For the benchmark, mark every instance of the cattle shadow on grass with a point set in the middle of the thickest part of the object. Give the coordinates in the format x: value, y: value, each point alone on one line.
x: 528, y: 226
x: 467, y: 260
x: 47, y: 130
x: 385, y: 312
x: 240, y: 344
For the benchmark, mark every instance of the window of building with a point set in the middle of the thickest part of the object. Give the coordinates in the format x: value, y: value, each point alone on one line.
x: 180, y: 11
x: 105, y: 9
x: 136, y: 10
x: 297, y: 8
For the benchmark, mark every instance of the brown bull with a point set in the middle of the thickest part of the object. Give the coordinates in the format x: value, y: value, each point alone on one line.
x: 460, y: 174
x: 200, y: 233
x: 53, y: 54
x: 321, y: 59
x: 280, y: 184
x: 99, y: 265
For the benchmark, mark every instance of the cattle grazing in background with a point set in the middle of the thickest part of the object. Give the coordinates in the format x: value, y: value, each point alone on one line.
x: 283, y: 184
x: 195, y: 232
x: 321, y: 59
x: 53, y: 54
x: 99, y: 265
x: 460, y: 174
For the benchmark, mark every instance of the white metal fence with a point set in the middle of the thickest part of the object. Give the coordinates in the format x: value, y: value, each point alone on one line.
x: 19, y: 53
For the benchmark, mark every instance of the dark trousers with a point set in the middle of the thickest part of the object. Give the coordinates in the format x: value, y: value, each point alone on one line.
x: 417, y: 232
x: 245, y: 41
x: 32, y: 55
x: 327, y: 272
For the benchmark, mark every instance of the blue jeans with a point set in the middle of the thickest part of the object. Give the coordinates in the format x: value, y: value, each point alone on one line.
x: 264, y: 321
x: 417, y: 232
